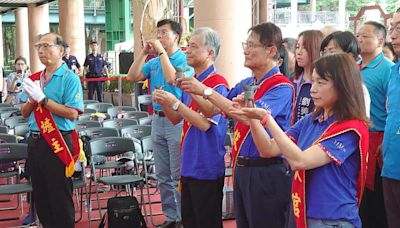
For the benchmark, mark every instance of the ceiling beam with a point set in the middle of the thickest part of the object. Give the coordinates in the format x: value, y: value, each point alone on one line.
x: 12, y: 4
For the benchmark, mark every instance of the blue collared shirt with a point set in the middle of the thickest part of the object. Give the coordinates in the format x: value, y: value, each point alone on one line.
x: 376, y: 76
x: 153, y: 70
x: 203, y: 152
x: 391, y: 139
x: 64, y: 88
x: 331, y: 190
x: 278, y: 100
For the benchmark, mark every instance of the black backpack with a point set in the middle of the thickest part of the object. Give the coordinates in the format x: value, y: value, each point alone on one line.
x: 123, y: 212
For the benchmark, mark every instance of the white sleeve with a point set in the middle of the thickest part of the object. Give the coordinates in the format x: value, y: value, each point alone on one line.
x: 367, y: 100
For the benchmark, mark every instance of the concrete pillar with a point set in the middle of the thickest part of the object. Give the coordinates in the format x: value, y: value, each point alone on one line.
x: 313, y: 6
x: 72, y: 26
x: 152, y: 12
x: 22, y: 33
x: 342, y: 15
x: 263, y: 11
x: 1, y: 42
x: 38, y: 24
x: 293, y: 13
x: 232, y: 26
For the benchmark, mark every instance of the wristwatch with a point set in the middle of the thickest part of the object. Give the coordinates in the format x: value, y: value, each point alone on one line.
x: 207, y: 92
x: 44, y: 101
x: 175, y: 106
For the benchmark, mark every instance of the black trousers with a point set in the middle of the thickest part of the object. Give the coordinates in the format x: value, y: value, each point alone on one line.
x: 262, y: 196
x: 372, y: 208
x: 202, y: 202
x: 52, y: 190
x: 98, y: 86
x: 391, y: 192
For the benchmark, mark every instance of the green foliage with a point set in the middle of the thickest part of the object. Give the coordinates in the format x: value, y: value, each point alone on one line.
x: 353, y: 6
x: 392, y: 6
x: 127, y: 87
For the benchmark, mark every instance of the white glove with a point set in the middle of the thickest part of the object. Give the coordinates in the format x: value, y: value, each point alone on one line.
x: 33, y: 90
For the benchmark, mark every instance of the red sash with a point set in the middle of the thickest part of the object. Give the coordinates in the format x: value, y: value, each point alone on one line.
x: 241, y: 130
x: 299, y: 179
x: 212, y: 81
x: 48, y: 128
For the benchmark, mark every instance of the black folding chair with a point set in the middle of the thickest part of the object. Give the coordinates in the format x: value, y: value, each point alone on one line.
x: 111, y: 147
x: 85, y: 102
x: 83, y: 124
x: 144, y: 99
x: 119, y: 123
x: 4, y: 129
x: 14, y: 152
x: 100, y: 107
x: 114, y: 111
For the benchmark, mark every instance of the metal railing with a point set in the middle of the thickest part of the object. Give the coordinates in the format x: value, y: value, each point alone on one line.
x: 283, y: 17
x: 92, y: 5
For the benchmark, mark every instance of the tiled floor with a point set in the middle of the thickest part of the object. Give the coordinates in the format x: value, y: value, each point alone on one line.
x: 84, y: 223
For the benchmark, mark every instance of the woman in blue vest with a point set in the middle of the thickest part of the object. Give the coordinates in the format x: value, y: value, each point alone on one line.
x: 306, y: 52
x: 326, y: 148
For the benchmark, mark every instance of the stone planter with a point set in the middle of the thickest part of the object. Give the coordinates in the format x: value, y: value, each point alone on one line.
x: 107, y: 97
x: 126, y: 99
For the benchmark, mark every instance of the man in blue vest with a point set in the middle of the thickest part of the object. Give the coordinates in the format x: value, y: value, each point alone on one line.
x: 202, y: 144
x: 165, y: 135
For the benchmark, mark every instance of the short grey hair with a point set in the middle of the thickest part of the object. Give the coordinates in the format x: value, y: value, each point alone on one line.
x: 210, y: 38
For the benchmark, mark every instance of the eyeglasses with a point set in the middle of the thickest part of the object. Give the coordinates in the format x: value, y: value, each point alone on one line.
x: 394, y: 29
x: 163, y: 33
x: 45, y: 46
x: 250, y: 46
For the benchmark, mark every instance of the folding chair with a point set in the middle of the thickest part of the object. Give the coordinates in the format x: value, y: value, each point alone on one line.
x: 136, y: 131
x: 7, y: 112
x: 8, y: 108
x: 119, y: 123
x: 79, y: 184
x: 21, y: 129
x: 83, y: 124
x: 4, y: 129
x: 147, y: 160
x: 85, y: 102
x: 9, y: 170
x: 98, y: 132
x: 145, y: 120
x: 5, y: 105
x: 14, y: 152
x: 89, y: 110
x: 114, y: 111
x: 228, y: 147
x: 99, y: 107
x: 13, y: 121
x: 111, y: 147
x: 7, y: 138
x: 88, y: 116
x: 93, y: 133
x: 136, y: 115
x: 143, y: 100
x: 19, y: 105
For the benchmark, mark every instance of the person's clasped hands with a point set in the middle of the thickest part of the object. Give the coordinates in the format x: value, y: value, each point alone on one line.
x: 33, y: 91
x: 163, y: 98
x: 191, y: 85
